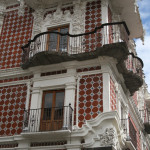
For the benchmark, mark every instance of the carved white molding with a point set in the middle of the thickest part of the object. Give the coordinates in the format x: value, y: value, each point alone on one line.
x: 76, y: 20
x: 21, y: 7
x: 44, y: 3
x: 108, y: 138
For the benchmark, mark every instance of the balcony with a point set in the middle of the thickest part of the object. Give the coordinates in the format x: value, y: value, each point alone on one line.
x: 145, y: 114
x: 55, y: 47
x: 132, y: 72
x: 48, y: 119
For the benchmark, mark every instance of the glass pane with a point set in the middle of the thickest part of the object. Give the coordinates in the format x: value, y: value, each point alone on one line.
x: 59, y: 103
x: 48, y: 100
x: 52, y: 43
x: 63, y: 40
x: 47, y: 106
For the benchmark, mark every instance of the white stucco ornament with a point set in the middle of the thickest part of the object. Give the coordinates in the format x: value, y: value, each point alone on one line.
x: 108, y: 137
x: 21, y: 7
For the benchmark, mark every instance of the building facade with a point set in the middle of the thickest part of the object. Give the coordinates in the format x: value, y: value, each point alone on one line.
x: 70, y: 77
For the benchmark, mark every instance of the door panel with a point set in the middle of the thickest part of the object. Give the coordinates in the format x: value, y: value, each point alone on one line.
x: 52, y: 110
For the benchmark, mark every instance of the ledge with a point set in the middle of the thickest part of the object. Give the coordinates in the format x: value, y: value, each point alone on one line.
x: 47, y: 134
x: 118, y: 51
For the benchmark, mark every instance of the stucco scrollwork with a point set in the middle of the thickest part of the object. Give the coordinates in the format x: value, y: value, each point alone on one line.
x: 78, y: 20
x: 38, y: 19
x: 57, y: 17
x: 108, y: 137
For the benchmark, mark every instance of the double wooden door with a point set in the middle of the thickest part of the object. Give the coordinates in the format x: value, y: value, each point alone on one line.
x: 52, y: 112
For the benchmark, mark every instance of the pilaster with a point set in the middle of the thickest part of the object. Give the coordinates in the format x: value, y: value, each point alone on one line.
x: 106, y: 92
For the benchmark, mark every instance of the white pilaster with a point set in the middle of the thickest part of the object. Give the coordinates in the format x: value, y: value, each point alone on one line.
x: 104, y: 8
x: 23, y: 145
x: 106, y: 92
x: 35, y: 98
x: 1, y: 16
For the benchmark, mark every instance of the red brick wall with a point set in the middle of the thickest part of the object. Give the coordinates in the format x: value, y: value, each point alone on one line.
x: 113, y: 103
x: 16, y: 31
x: 93, y: 20
x: 137, y: 133
x: 12, y: 104
x: 90, y: 97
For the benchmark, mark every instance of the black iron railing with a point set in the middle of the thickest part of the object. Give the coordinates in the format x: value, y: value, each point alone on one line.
x: 48, y: 119
x: 134, y: 64
x: 74, y: 44
x: 124, y: 125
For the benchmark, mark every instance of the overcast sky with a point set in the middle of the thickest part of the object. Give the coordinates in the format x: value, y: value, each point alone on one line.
x: 144, y: 50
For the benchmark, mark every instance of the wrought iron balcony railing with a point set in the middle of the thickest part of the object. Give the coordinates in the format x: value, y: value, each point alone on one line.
x: 74, y: 44
x: 124, y: 125
x: 134, y: 64
x: 48, y: 119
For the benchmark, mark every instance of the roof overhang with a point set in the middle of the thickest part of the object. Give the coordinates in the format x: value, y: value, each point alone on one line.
x: 129, y: 12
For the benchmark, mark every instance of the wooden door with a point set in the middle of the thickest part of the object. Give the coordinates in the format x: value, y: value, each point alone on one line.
x: 52, y: 110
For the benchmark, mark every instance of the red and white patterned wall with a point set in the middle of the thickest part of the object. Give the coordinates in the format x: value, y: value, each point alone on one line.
x: 90, y: 97
x: 12, y: 104
x: 138, y: 142
x: 113, y: 102
x: 135, y: 98
x: 16, y: 32
x: 93, y: 20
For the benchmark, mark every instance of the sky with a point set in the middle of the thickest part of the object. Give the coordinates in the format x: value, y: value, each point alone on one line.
x: 143, y: 51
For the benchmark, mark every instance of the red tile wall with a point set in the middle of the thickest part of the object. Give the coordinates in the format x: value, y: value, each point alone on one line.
x: 90, y: 97
x: 35, y: 144
x: 16, y: 79
x: 92, y: 20
x: 16, y: 31
x: 12, y: 104
x: 53, y: 73
x: 135, y: 98
x: 9, y: 145
x: 89, y: 69
x: 137, y: 134
x: 113, y: 103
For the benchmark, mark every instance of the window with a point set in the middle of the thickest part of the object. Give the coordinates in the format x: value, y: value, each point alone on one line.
x: 52, y: 110
x: 132, y: 133
x: 57, y: 42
